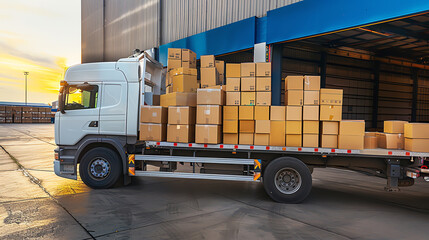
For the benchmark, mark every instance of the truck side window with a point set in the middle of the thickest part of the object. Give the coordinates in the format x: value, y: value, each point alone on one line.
x: 81, y: 97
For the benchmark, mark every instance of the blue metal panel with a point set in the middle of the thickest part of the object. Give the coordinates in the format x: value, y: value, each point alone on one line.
x: 312, y: 17
x: 229, y: 38
x: 261, y: 30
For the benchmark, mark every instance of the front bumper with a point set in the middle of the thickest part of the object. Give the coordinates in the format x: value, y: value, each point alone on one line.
x: 59, y: 170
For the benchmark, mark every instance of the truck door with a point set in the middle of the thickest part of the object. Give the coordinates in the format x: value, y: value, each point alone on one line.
x: 81, y: 113
x: 113, y: 109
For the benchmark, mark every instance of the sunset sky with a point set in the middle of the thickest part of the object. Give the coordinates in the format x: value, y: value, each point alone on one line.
x: 41, y: 37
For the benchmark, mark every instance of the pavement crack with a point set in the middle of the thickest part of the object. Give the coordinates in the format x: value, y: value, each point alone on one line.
x: 34, y: 137
x: 38, y: 183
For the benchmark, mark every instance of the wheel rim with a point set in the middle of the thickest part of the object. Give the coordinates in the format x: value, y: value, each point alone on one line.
x: 287, y: 180
x: 99, y: 168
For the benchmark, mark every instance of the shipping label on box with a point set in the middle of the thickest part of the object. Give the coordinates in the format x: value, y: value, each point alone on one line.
x: 248, y: 84
x: 179, y: 99
x: 262, y: 126
x: 417, y: 144
x: 180, y: 133
x: 331, y: 113
x: 247, y: 126
x: 230, y: 138
x: 220, y: 66
x: 310, y: 113
x: 153, y: 132
x: 246, y: 138
x: 312, y: 83
x: 329, y: 128
x: 278, y: 113
x: 311, y: 97
x: 331, y: 96
x: 310, y: 127
x: 233, y: 70
x: 263, y: 69
x: 293, y: 127
x: 188, y: 56
x: 394, y: 126
x: 248, y: 98
x: 416, y: 130
x: 248, y: 69
x: 294, y: 97
x: 293, y: 140
x: 261, y: 139
x: 277, y: 133
x: 181, y: 115
x: 230, y: 112
x: 351, y: 142
x: 263, y: 98
x: 263, y: 84
x: 207, y: 61
x: 294, y: 113
x: 310, y: 140
x: 230, y: 126
x: 390, y: 140
x: 206, y: 96
x: 329, y: 141
x: 246, y: 112
x: 209, y: 114
x: 233, y: 84
x: 352, y: 127
x: 262, y: 112
x: 294, y: 83
x: 233, y: 98
x: 210, y: 134
x: 153, y: 114
x: 209, y: 77
x: 175, y: 53
x: 185, y: 83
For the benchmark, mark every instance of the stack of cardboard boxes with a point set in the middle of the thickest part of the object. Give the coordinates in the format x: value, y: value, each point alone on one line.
x: 220, y: 67
x: 278, y: 126
x: 233, y: 100
x: 2, y: 114
x: 331, y: 105
x: 181, y: 124
x: 9, y: 114
x: 416, y: 137
x: 17, y: 114
x: 153, y: 120
x: 209, y: 72
x: 310, y: 116
x: 209, y: 115
x: 294, y: 100
x: 393, y: 135
x: 351, y: 134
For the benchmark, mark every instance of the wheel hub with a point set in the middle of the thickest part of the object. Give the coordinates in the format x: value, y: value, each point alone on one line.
x: 99, y: 168
x: 287, y: 180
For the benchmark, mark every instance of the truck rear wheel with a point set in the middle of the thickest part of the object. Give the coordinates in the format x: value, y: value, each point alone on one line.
x: 100, y: 168
x: 287, y: 180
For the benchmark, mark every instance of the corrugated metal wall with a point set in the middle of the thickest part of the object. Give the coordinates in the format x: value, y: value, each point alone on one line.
x: 92, y: 29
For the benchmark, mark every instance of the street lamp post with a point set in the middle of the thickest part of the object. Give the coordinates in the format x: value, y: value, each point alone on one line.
x: 26, y: 74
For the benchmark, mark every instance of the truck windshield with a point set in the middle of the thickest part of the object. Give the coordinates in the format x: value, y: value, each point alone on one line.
x: 81, y: 97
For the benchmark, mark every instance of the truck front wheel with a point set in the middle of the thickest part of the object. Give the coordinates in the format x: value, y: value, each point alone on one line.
x: 287, y: 180
x: 100, y: 168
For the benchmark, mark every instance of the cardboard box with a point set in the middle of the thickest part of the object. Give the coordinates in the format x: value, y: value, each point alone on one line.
x: 329, y: 141
x: 175, y: 53
x: 351, y: 142
x: 417, y: 145
x: 230, y: 138
x: 263, y: 69
x: 294, y: 83
x: 312, y: 83
x: 233, y: 84
x: 331, y: 96
x: 416, y: 130
x: 248, y: 69
x: 208, y: 61
x: 310, y: 113
x: 181, y: 115
x: 262, y: 112
x: 220, y: 66
x: 352, y: 127
x: 179, y: 99
x: 233, y: 70
x: 294, y: 97
x: 221, y: 79
x: 248, y: 84
x: 310, y: 140
x: 153, y: 132
x: 263, y: 84
x: 277, y: 133
x: 185, y: 83
x: 206, y: 96
x: 246, y: 138
x: 153, y: 114
x: 189, y: 64
x: 180, y: 133
x: 183, y: 71
x: 210, y: 134
x: 310, y: 127
x: 209, y: 114
x: 246, y: 112
x: 293, y: 127
x: 278, y: 113
x: 262, y: 126
x: 329, y: 128
x: 230, y: 112
x: 233, y: 98
x: 390, y: 140
x: 261, y: 139
x: 173, y: 63
x: 248, y: 98
x: 294, y: 113
x: 263, y: 98
x: 293, y: 140
x: 394, y: 126
x: 331, y: 113
x: 208, y: 77
x: 311, y: 97
x: 370, y: 140
x: 247, y: 126
x: 230, y: 126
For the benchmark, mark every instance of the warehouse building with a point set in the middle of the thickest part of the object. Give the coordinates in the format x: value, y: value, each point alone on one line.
x: 377, y: 51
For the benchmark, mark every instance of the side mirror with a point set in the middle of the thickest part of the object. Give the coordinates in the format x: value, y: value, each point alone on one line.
x: 61, y: 103
x: 85, y: 87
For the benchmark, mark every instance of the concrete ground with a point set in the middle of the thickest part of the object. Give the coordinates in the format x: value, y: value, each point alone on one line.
x: 36, y: 204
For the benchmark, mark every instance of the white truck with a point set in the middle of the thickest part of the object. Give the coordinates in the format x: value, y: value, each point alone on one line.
x: 97, y: 128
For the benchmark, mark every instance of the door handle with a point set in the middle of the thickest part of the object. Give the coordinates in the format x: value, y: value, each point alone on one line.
x: 93, y: 124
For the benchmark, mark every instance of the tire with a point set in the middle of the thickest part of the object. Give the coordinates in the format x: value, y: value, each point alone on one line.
x: 293, y: 182
x: 100, y: 168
